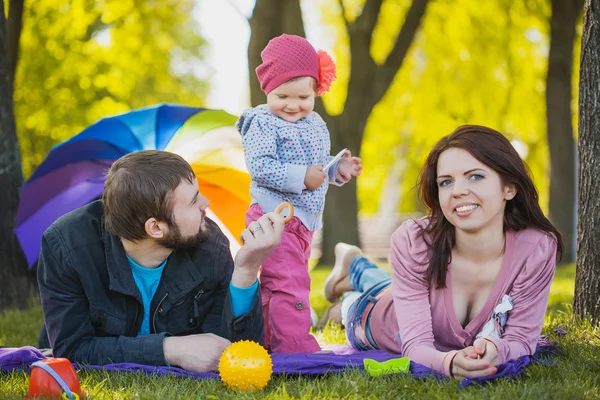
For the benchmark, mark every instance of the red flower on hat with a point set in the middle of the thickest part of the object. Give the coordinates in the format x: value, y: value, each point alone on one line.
x: 326, y: 72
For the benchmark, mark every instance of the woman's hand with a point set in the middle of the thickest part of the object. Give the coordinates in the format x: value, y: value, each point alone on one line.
x: 464, y: 365
x: 486, y: 350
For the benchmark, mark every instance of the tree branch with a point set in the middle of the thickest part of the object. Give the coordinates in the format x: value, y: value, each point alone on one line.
x: 13, y: 36
x: 362, y: 65
x: 364, y: 25
x: 343, y: 14
x: 386, y: 72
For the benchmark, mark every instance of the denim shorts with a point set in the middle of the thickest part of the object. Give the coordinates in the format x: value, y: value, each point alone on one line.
x: 358, y: 327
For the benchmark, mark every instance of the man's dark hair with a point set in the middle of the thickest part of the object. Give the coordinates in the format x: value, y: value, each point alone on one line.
x: 139, y: 186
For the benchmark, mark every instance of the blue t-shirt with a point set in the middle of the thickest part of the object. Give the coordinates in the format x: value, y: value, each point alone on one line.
x: 242, y: 298
x: 148, y: 279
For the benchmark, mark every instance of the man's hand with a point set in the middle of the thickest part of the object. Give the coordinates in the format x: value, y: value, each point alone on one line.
x: 315, y: 176
x: 260, y: 239
x: 196, y: 353
x: 349, y: 166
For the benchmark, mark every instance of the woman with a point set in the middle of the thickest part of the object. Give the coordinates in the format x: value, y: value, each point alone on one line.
x: 470, y: 282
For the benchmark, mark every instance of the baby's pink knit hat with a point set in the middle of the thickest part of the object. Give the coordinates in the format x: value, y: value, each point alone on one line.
x: 290, y: 56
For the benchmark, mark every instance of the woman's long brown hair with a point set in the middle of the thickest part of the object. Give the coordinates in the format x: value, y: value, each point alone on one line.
x: 494, y: 150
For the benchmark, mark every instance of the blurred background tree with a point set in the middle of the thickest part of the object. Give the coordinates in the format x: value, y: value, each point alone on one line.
x: 17, y: 284
x: 587, y: 280
x: 77, y: 62
x: 14, y: 23
x: 86, y: 59
x: 565, y: 15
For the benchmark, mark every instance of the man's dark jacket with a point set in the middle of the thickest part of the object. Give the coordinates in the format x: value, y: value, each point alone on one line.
x: 92, y: 306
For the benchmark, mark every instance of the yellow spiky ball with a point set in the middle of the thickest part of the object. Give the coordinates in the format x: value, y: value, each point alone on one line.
x: 245, y: 365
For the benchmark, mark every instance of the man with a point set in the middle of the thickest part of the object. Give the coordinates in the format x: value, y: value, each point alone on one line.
x: 142, y: 276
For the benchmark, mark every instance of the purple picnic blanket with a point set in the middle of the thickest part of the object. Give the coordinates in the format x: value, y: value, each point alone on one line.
x: 341, y: 358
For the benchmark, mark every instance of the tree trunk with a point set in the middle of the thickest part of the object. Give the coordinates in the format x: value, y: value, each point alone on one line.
x: 270, y: 19
x: 16, y: 281
x: 367, y: 85
x: 391, y: 196
x: 13, y: 36
x: 340, y: 218
x: 561, y: 142
x: 587, y: 281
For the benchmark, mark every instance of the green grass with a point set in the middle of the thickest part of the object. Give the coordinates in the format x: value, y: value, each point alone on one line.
x: 576, y: 374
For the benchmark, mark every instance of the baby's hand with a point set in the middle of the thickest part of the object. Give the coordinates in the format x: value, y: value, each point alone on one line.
x: 314, y: 177
x: 349, y: 166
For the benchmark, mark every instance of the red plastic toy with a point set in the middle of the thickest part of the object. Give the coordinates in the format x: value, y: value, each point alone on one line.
x: 54, y: 378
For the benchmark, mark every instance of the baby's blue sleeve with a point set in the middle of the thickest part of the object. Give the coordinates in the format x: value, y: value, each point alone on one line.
x: 242, y: 298
x: 264, y: 165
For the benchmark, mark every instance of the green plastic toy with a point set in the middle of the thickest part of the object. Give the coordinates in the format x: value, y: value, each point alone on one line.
x: 392, y: 366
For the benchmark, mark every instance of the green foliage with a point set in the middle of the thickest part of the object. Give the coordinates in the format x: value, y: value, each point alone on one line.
x: 85, y: 59
x: 468, y: 65
x: 575, y: 373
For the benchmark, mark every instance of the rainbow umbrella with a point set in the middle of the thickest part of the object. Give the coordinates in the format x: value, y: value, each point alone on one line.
x: 74, y: 172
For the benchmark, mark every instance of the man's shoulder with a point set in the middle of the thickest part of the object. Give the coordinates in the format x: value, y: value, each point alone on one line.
x: 79, y: 226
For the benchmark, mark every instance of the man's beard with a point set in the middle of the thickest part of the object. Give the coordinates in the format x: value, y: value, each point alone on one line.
x: 175, y: 241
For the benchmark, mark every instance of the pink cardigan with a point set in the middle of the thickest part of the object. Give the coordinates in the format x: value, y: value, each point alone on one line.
x: 427, y: 324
